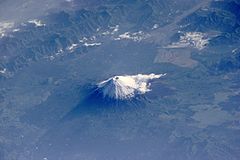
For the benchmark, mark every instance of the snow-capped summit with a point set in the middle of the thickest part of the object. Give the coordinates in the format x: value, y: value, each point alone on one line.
x: 126, y: 87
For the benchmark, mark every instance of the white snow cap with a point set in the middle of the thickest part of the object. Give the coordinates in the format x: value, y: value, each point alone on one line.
x: 126, y: 87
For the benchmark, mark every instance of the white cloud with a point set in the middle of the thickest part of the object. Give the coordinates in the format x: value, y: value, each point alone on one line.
x: 196, y: 40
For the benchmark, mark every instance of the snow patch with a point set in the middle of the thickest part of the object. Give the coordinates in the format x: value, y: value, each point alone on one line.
x: 155, y: 26
x: 72, y: 47
x: 16, y: 30
x: 3, y: 71
x: 59, y: 52
x: 91, y: 44
x: 51, y: 58
x: 113, y: 30
x: 4, y: 26
x: 37, y: 23
x: 126, y: 87
x: 84, y: 39
x: 236, y: 51
x: 136, y: 36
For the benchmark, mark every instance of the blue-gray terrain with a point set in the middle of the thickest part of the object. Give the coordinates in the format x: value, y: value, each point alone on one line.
x: 54, y: 52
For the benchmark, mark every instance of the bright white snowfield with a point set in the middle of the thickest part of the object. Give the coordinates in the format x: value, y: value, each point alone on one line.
x: 126, y: 87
